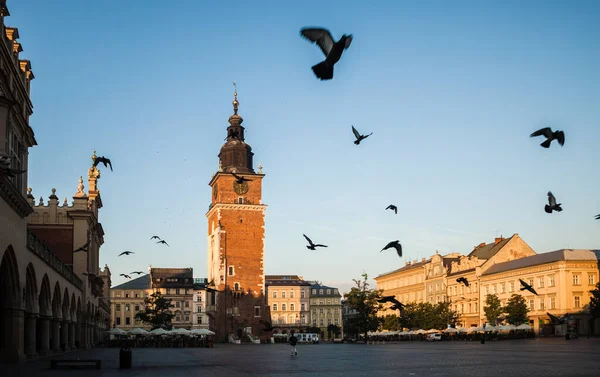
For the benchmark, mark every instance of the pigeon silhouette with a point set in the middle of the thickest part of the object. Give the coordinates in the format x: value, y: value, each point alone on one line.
x: 155, y: 238
x: 137, y: 272
x: 547, y: 132
x: 552, y: 206
x: 396, y: 305
x: 463, y: 280
x: 393, y: 208
x: 528, y: 287
x: 558, y: 321
x: 126, y: 253
x: 396, y: 245
x: 163, y: 242
x: 358, y: 136
x: 311, y: 245
x: 332, y: 50
x: 125, y: 276
x: 240, y: 180
x: 104, y: 160
x: 598, y: 217
x: 84, y: 247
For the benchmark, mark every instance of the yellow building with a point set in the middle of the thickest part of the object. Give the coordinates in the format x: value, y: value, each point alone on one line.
x: 325, y: 308
x: 562, y: 279
x: 407, y: 284
x: 126, y: 300
x: 288, y: 300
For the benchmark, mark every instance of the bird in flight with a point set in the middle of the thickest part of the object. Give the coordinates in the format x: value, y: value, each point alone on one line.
x: 549, y: 135
x: 528, y: 287
x: 396, y: 305
x: 598, y: 217
x: 137, y: 272
x: 104, y: 160
x: 240, y: 180
x: 396, y: 245
x: 125, y: 276
x: 126, y: 253
x: 311, y: 245
x: 358, y: 136
x: 463, y: 280
x: 233, y: 134
x: 83, y: 248
x: 163, y: 242
x: 552, y: 206
x: 558, y: 321
x: 393, y: 208
x: 155, y: 238
x: 332, y: 50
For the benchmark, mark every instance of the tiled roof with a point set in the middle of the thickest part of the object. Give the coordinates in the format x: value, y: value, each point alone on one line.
x: 489, y: 250
x: 406, y: 268
x: 462, y: 272
x: 553, y: 256
x: 283, y: 277
x: 143, y: 282
x: 172, y: 273
x: 286, y: 283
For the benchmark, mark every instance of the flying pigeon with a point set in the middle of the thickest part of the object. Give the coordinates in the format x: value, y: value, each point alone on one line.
x: 396, y: 305
x: 312, y: 246
x: 393, y: 208
x: 239, y: 179
x: 125, y: 276
x: 104, y: 160
x: 137, y: 272
x: 549, y: 135
x: 463, y: 280
x: 598, y: 217
x: 396, y: 245
x: 358, y: 136
x: 557, y: 321
x: 528, y: 287
x: 163, y: 242
x: 155, y: 238
x: 83, y: 248
x: 233, y: 134
x: 552, y: 206
x: 332, y: 50
x: 126, y: 253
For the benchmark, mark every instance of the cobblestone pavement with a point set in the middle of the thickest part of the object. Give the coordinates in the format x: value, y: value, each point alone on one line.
x: 540, y: 357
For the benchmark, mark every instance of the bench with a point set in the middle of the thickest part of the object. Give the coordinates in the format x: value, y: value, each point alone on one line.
x: 75, y: 364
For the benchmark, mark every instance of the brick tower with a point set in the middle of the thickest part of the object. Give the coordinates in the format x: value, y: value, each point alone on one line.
x: 236, y: 231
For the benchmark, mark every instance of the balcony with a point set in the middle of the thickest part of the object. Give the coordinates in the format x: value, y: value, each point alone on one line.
x: 40, y: 248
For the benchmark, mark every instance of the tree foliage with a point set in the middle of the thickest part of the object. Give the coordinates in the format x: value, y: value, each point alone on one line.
x: 390, y: 322
x: 516, y: 310
x: 156, y: 312
x: 333, y: 330
x: 425, y: 315
x: 364, y: 300
x: 595, y: 302
x: 492, y: 309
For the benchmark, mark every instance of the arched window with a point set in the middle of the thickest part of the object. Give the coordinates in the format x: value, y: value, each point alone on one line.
x: 236, y: 286
x: 230, y: 271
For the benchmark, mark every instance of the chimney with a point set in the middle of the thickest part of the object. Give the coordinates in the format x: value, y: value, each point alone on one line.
x: 497, y: 240
x: 423, y: 260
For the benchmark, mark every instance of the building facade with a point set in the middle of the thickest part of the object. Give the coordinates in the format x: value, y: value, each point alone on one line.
x: 47, y: 304
x: 127, y: 299
x: 288, y: 300
x: 200, y: 319
x: 407, y: 284
x: 325, y: 308
x: 236, y: 232
x: 177, y: 285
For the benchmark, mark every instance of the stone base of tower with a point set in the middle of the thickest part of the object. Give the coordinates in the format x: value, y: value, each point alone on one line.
x: 238, y: 314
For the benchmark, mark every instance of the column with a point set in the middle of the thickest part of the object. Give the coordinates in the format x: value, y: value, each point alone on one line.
x: 14, y: 333
x: 64, y: 335
x: 44, y: 323
x: 55, y: 344
x: 78, y: 342
x: 71, y: 342
x: 30, y: 334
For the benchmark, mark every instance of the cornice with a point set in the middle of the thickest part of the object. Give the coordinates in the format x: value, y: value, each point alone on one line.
x: 13, y: 197
x: 245, y: 207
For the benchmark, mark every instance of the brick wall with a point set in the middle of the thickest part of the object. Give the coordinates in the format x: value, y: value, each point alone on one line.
x: 59, y: 240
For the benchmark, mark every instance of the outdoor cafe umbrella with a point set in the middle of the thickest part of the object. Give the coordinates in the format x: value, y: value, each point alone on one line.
x: 159, y: 331
x: 116, y: 331
x: 138, y: 331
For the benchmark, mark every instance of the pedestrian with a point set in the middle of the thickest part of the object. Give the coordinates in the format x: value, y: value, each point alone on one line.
x: 293, y: 342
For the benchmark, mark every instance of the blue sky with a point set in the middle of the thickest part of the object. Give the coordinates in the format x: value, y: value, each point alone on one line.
x: 451, y: 92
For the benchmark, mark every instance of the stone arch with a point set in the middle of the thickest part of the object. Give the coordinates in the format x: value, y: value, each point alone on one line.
x: 73, y: 308
x: 66, y: 313
x: 10, y: 302
x: 31, y: 293
x: 45, y: 301
x: 56, y: 302
x: 30, y: 328
x: 45, y: 313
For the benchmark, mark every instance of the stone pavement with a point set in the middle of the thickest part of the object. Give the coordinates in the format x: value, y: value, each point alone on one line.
x: 513, y: 358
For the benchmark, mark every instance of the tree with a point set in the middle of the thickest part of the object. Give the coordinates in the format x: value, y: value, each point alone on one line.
x: 364, y: 301
x: 492, y: 309
x: 426, y: 315
x: 390, y: 322
x: 516, y: 310
x: 156, y: 312
x: 314, y: 330
x: 333, y: 330
x: 595, y: 302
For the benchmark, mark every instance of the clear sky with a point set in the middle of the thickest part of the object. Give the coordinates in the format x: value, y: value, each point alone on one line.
x: 451, y: 92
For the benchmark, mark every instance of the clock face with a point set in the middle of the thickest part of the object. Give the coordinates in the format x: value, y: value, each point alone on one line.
x: 215, y: 191
x: 240, y: 189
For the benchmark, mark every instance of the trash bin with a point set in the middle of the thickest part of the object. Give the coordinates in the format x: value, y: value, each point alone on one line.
x: 567, y: 336
x: 125, y: 358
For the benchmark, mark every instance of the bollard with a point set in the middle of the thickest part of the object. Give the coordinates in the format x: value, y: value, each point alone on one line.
x: 125, y: 358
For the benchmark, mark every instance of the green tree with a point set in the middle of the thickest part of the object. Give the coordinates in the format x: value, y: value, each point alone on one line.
x: 516, y: 310
x: 333, y: 330
x: 390, y: 322
x: 426, y: 315
x: 156, y: 312
x: 314, y: 330
x: 492, y: 309
x: 595, y: 302
x: 364, y: 300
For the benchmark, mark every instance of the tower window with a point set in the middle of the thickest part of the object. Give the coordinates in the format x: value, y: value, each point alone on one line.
x: 236, y: 286
x: 240, y: 200
x: 230, y: 271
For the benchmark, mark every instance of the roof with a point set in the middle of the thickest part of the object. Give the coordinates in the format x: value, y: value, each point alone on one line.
x: 406, y: 268
x: 462, y: 272
x: 319, y: 286
x: 489, y: 250
x: 553, y: 256
x: 171, y: 273
x: 283, y: 277
x: 286, y: 283
x: 143, y: 282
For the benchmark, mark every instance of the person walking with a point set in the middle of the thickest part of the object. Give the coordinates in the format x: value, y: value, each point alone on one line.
x: 293, y: 342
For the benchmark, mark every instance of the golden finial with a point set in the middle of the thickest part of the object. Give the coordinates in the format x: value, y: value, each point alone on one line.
x: 235, y: 100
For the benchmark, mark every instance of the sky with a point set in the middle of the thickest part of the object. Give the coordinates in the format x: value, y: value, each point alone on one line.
x: 451, y: 92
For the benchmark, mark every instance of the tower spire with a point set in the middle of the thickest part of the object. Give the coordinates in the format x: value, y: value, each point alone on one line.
x: 236, y: 103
